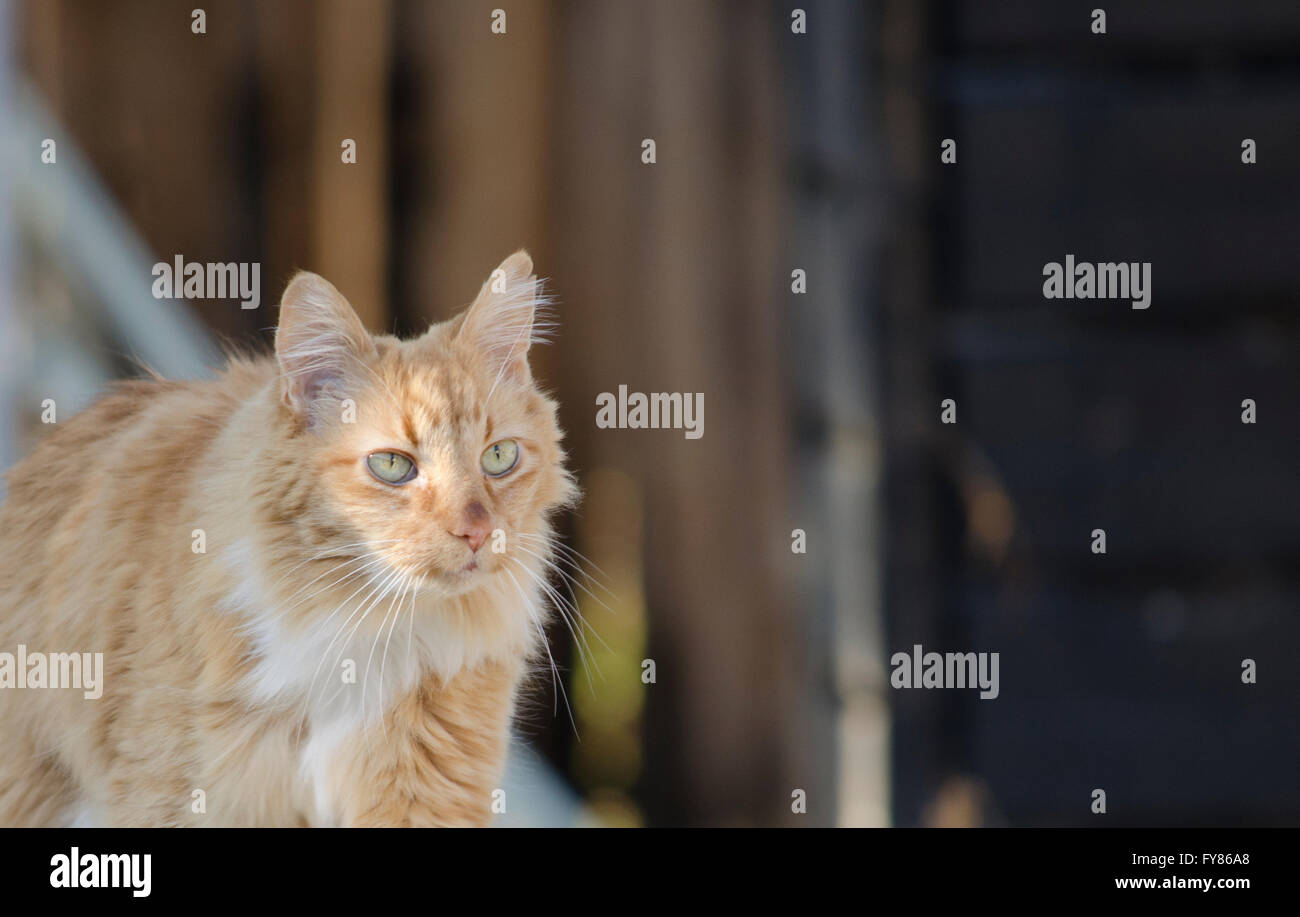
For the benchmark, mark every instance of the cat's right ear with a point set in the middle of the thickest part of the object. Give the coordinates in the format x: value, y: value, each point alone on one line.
x: 318, y: 342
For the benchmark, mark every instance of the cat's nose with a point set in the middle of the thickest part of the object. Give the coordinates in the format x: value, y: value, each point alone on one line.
x: 474, y: 525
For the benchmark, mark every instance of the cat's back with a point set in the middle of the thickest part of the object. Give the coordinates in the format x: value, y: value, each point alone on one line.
x: 122, y: 462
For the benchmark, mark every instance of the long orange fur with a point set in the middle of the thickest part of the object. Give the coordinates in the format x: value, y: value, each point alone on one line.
x: 209, y: 538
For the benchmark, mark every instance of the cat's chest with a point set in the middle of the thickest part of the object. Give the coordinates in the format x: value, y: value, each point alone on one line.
x: 337, y: 688
x: 339, y: 666
x: 339, y: 651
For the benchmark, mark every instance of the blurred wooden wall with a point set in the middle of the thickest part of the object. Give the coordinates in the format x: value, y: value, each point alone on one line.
x: 675, y: 271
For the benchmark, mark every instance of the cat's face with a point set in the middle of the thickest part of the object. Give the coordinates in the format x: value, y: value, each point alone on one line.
x: 438, y: 455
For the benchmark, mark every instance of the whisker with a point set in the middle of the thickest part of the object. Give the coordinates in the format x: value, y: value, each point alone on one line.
x: 372, y: 562
x: 394, y: 609
x: 571, y: 556
x: 375, y: 590
x: 334, y: 550
x: 570, y: 582
x: 579, y: 640
x: 389, y: 582
x: 365, y: 568
x: 556, y: 681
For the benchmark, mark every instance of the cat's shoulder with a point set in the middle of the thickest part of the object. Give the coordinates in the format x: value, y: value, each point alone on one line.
x: 177, y: 405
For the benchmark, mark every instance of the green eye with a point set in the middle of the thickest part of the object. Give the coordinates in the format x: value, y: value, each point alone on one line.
x: 391, y: 467
x: 500, y: 457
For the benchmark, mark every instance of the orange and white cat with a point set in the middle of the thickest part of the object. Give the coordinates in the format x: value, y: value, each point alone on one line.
x: 316, y: 580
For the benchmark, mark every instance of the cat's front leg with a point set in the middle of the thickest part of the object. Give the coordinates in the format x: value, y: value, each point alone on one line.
x: 436, y: 759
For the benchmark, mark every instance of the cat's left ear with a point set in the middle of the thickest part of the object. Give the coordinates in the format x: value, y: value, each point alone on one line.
x: 318, y: 342
x: 502, y: 323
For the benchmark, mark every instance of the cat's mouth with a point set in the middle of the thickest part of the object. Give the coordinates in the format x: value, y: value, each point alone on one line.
x: 467, y: 569
x: 464, y: 573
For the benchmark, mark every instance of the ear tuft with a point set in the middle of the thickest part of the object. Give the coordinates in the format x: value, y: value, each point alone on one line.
x: 318, y: 343
x: 505, y: 320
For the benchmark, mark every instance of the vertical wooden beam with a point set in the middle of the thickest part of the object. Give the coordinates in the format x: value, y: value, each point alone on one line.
x: 918, y: 751
x: 482, y: 109
x: 158, y: 112
x: 671, y: 275
x: 350, y: 229
x: 285, y: 73
x: 41, y: 46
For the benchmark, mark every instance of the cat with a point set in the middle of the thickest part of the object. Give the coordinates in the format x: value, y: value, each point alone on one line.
x: 316, y: 580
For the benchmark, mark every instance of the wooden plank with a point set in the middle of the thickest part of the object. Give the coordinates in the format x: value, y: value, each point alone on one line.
x: 667, y: 267
x: 481, y: 112
x: 350, y: 225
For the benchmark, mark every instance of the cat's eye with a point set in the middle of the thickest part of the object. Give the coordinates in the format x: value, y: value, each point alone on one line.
x: 500, y: 457
x: 390, y: 467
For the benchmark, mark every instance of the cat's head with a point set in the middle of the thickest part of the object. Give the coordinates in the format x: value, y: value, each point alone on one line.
x: 430, y: 456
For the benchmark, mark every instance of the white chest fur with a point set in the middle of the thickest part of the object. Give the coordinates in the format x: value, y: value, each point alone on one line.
x: 358, y: 649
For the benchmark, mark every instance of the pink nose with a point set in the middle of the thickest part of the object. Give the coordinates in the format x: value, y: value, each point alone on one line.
x: 474, y: 526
